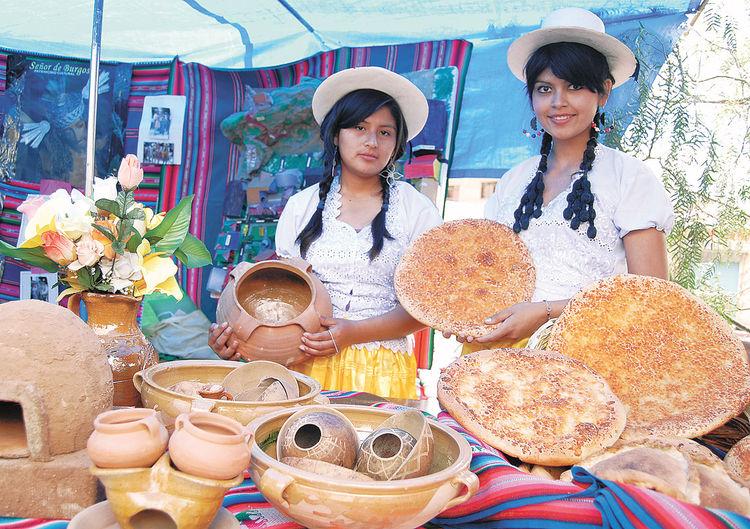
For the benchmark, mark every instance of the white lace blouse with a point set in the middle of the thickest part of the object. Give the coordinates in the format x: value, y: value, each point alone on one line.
x: 359, y: 288
x: 627, y: 197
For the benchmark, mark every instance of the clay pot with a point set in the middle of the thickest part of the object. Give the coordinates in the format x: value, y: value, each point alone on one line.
x: 214, y: 391
x: 269, y: 305
x: 127, y: 438
x: 209, y: 445
x: 100, y: 516
x: 383, y: 453
x: 417, y: 462
x: 319, y: 433
x: 113, y: 319
x: 261, y: 381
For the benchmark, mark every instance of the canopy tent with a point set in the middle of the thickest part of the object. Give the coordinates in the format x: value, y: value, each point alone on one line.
x: 263, y: 33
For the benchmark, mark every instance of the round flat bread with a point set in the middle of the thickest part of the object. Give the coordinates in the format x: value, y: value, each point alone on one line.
x: 456, y: 275
x: 737, y: 462
x: 675, y: 364
x: 538, y: 406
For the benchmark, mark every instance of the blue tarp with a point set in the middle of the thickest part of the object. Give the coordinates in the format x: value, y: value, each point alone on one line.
x: 262, y: 33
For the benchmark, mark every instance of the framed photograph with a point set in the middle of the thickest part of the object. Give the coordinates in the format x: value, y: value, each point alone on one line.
x: 38, y: 286
x: 160, y: 153
x: 160, y: 122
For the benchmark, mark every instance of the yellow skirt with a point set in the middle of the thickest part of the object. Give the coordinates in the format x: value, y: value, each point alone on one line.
x: 382, y: 372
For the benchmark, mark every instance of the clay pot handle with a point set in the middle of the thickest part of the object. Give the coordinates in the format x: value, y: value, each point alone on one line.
x: 152, y: 424
x: 138, y: 380
x: 74, y: 304
x: 239, y: 270
x: 179, y: 422
x: 469, y: 480
x: 299, y: 263
x: 273, y: 484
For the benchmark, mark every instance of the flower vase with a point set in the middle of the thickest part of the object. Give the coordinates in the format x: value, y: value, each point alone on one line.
x: 113, y: 318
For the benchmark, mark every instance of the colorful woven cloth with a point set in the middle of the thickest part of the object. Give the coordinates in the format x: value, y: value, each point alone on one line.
x: 507, y: 498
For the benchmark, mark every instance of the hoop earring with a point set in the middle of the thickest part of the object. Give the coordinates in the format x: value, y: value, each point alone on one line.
x: 390, y: 174
x: 533, y: 133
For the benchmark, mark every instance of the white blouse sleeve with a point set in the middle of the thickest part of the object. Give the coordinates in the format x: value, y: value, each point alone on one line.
x: 292, y: 221
x: 644, y: 202
x: 421, y: 214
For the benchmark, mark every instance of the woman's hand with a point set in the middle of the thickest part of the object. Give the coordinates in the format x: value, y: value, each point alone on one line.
x: 221, y: 339
x: 516, y: 322
x: 339, y: 335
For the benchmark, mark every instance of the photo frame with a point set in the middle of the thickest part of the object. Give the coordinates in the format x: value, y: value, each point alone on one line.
x: 38, y: 286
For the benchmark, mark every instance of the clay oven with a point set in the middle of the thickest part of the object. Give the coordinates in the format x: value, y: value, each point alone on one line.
x: 55, y: 381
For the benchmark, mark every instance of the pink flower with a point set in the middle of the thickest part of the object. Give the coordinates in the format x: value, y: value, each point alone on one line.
x: 130, y: 173
x: 31, y: 204
x: 58, y: 248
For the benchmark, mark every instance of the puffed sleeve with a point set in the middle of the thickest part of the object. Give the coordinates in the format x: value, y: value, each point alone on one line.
x: 492, y: 206
x: 292, y: 221
x: 644, y: 202
x: 421, y: 214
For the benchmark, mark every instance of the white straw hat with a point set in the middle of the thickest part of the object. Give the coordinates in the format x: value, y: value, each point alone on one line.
x: 410, y: 99
x: 573, y: 24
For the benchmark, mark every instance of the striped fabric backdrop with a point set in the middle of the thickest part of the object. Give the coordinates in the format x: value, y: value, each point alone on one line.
x: 210, y: 161
x: 507, y: 499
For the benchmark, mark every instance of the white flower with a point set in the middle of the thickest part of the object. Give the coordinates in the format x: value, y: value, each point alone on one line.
x: 105, y: 188
x: 89, y: 251
x: 71, y: 213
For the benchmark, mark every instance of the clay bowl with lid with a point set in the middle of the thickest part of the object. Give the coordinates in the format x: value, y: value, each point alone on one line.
x: 269, y: 305
x: 154, y: 382
x: 341, y: 502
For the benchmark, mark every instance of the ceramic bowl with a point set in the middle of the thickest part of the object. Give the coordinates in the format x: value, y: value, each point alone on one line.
x: 400, y: 504
x: 384, y: 452
x: 319, y: 433
x: 253, y: 374
x: 153, y: 384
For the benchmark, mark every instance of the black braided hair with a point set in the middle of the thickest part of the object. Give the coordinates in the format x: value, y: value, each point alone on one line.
x: 349, y: 111
x: 584, y: 66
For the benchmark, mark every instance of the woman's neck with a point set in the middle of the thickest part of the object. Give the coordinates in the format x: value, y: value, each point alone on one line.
x: 355, y: 186
x: 569, y: 152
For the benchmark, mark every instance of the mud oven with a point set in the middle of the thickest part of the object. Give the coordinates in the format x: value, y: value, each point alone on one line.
x: 55, y: 381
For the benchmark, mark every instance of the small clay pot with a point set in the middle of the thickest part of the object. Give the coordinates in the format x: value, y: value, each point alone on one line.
x: 214, y: 391
x: 127, y: 438
x: 417, y: 462
x: 319, y: 433
x: 209, y: 445
x: 383, y: 452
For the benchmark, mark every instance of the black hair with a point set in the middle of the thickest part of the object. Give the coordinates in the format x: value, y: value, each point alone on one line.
x: 584, y: 66
x: 348, y: 112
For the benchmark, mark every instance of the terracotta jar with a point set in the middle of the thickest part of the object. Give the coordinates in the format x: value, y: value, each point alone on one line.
x: 269, y: 305
x: 209, y: 445
x: 127, y: 438
x: 320, y: 433
x: 113, y: 319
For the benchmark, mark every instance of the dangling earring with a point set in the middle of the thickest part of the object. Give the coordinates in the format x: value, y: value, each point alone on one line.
x: 333, y: 165
x: 390, y: 174
x: 533, y: 125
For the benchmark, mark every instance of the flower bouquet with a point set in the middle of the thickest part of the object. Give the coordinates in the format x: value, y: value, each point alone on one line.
x: 111, y: 243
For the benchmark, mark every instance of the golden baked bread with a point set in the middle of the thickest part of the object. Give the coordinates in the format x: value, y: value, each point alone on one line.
x: 675, y: 364
x: 680, y: 468
x: 456, y: 275
x: 737, y: 461
x: 538, y: 406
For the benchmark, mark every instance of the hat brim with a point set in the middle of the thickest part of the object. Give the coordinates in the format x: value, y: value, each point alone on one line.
x: 621, y: 60
x: 409, y: 98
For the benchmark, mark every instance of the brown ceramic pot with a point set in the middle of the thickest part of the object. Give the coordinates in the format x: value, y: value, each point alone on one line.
x: 113, y: 319
x: 209, y: 445
x: 320, y: 433
x: 127, y: 438
x: 383, y: 452
x: 269, y: 305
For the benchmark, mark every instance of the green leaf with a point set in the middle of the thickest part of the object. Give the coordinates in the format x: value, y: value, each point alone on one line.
x: 108, y: 234
x: 118, y: 247
x: 136, y: 214
x: 125, y: 228
x: 171, y: 232
x: 109, y: 205
x: 193, y: 253
x: 85, y: 279
x: 31, y: 256
x: 134, y: 241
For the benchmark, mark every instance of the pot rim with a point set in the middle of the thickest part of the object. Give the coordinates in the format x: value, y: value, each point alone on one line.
x: 237, y: 435
x: 262, y: 265
x: 148, y: 377
x: 102, y: 424
x: 430, y: 481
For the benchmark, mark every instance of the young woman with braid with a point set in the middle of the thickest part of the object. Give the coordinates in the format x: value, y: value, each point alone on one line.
x: 585, y: 211
x: 352, y: 228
